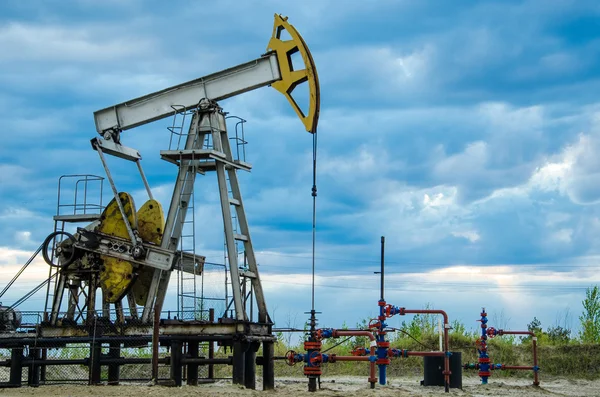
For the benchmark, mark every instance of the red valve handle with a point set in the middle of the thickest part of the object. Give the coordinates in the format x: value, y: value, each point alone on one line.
x: 374, y: 323
x: 316, y: 358
x: 289, y: 355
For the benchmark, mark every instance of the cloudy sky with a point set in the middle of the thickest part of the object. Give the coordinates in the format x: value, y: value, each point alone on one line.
x: 464, y: 132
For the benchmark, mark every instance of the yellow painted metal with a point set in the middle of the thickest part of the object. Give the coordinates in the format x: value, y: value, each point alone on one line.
x: 151, y: 223
x: 116, y: 274
x: 291, y: 78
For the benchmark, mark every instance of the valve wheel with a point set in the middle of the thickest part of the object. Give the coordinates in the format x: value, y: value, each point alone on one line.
x: 315, y: 359
x: 491, y: 332
x: 289, y: 355
x: 63, y: 249
x: 374, y: 323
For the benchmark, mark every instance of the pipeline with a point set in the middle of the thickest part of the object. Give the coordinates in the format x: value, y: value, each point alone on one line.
x: 379, y: 352
x: 387, y: 311
x: 313, y: 358
x: 372, y: 357
x: 484, y: 364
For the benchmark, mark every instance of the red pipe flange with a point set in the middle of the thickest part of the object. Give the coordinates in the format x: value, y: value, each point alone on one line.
x: 312, y: 345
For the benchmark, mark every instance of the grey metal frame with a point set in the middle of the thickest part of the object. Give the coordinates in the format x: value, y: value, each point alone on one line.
x: 210, y: 119
x: 217, y: 86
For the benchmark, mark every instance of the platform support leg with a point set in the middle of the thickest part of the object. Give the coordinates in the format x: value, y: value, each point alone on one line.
x: 250, y: 365
x: 95, y: 368
x: 268, y: 366
x: 16, y: 367
x: 113, y: 369
x: 192, y: 369
x: 211, y: 346
x: 33, y: 376
x: 176, y: 368
x: 239, y: 361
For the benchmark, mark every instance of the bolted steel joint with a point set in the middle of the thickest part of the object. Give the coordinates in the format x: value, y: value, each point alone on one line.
x: 138, y: 252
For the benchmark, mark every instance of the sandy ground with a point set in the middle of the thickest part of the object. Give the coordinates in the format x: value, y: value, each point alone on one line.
x: 342, y: 386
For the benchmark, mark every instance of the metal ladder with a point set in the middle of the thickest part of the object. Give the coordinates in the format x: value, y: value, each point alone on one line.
x: 240, y: 254
x: 240, y: 156
x: 188, y: 297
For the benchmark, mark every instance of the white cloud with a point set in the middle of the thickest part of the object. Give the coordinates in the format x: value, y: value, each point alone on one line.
x: 17, y: 213
x: 411, y: 217
x: 573, y: 173
x: 33, y: 42
x: 470, y: 235
x: 471, y: 162
x: 13, y: 175
x: 387, y: 70
x: 23, y: 237
x: 364, y: 161
x: 507, y: 118
x: 563, y: 236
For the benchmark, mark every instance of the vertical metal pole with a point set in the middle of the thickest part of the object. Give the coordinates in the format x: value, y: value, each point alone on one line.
x: 268, y: 366
x: 176, y: 369
x: 382, y: 265
x: 192, y: 369
x: 113, y: 369
x: 33, y: 376
x: 312, y: 384
x: 239, y: 361
x: 16, y: 369
x: 211, y: 346
x: 381, y: 338
x: 95, y: 368
x: 250, y: 365
x: 155, y: 343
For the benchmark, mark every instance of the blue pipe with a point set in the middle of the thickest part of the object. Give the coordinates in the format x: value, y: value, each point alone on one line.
x: 484, y: 359
x: 305, y: 358
x: 381, y: 351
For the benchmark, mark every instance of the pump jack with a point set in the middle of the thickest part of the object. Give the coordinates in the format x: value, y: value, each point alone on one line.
x: 132, y: 253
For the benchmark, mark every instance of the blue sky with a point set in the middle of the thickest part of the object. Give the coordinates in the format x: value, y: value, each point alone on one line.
x: 465, y: 132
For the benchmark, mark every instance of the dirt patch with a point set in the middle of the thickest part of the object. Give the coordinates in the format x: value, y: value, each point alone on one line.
x: 340, y: 386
